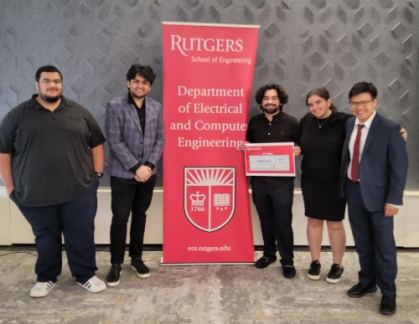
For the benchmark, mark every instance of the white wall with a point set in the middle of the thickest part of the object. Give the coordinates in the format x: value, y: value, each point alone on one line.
x: 15, y: 229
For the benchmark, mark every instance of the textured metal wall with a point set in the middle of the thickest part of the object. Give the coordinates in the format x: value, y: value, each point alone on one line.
x: 303, y: 44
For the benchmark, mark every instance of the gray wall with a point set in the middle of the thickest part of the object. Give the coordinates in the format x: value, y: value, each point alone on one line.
x: 302, y: 45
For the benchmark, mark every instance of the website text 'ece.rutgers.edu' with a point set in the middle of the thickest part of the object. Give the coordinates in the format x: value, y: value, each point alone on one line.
x: 209, y: 248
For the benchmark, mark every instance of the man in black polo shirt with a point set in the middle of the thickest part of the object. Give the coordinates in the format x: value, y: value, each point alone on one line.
x: 273, y: 196
x: 51, y: 159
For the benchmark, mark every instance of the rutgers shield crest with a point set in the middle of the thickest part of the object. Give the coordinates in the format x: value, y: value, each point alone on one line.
x: 209, y: 196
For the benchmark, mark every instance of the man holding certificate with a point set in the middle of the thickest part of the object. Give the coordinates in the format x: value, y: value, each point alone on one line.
x: 273, y: 187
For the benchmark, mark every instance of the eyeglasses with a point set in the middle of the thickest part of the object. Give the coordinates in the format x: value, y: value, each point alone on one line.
x: 47, y: 81
x: 355, y: 104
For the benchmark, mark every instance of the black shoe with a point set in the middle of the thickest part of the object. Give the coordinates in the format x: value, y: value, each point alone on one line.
x: 263, y: 262
x: 112, y: 279
x: 140, y: 268
x: 288, y: 271
x: 335, y: 274
x: 314, y: 272
x: 360, y: 290
x: 388, y: 305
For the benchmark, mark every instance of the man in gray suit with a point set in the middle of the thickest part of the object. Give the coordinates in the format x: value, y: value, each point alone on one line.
x: 134, y: 129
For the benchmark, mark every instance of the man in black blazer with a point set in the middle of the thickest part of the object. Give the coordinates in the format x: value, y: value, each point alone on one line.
x: 374, y: 170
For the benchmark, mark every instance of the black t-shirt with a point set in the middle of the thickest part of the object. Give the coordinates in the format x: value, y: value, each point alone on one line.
x: 322, y: 147
x: 51, y: 151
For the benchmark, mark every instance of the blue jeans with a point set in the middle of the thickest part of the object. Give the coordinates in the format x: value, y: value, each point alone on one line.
x: 73, y: 219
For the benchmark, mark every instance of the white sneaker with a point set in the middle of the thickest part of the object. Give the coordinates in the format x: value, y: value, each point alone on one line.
x: 41, y: 289
x: 93, y: 285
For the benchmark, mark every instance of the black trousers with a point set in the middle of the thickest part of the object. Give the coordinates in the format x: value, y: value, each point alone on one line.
x: 374, y: 242
x: 129, y: 197
x: 274, y: 207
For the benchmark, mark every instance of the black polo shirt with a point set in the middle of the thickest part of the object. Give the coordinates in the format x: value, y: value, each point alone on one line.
x: 282, y: 128
x: 51, y: 151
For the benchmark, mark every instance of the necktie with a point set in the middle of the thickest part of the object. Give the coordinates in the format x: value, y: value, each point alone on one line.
x: 355, y: 155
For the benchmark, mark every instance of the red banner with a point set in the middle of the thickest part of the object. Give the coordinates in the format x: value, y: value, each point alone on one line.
x: 208, y: 72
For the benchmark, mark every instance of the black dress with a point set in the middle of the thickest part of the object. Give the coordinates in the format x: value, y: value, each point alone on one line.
x: 322, y: 150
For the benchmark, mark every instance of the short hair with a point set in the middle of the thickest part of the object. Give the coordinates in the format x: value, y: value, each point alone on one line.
x: 362, y: 87
x: 142, y: 70
x: 283, y: 97
x: 322, y: 93
x: 47, y: 68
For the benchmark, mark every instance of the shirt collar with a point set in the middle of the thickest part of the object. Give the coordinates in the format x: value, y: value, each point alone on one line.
x: 274, y: 117
x: 131, y: 101
x: 63, y: 103
x: 367, y: 123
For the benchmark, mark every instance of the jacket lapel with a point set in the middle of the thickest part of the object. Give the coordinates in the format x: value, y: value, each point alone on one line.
x: 134, y: 115
x: 371, y: 133
x: 149, y: 114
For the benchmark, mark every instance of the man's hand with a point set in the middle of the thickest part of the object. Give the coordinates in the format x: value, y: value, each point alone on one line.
x: 390, y: 210
x: 242, y: 146
x: 143, y: 173
x: 296, y: 150
x: 9, y: 190
x: 6, y: 172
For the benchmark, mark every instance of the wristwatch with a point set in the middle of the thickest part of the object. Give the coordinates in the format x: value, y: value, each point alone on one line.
x: 99, y: 175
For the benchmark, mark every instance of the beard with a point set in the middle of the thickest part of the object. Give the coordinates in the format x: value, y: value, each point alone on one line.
x: 49, y: 98
x: 271, y: 110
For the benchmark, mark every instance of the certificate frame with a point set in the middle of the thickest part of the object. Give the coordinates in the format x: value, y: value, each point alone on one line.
x: 269, y: 159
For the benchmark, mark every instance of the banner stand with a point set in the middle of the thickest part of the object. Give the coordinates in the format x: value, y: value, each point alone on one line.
x: 207, y: 85
x: 164, y: 264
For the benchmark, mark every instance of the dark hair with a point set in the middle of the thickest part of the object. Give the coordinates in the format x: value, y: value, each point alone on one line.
x: 142, y: 70
x: 47, y: 68
x: 283, y: 97
x: 322, y: 93
x: 362, y: 87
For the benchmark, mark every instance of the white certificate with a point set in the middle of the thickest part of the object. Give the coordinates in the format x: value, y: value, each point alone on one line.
x: 269, y: 163
x: 270, y: 159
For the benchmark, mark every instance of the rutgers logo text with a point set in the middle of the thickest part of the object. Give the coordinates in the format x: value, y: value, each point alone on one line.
x: 184, y: 44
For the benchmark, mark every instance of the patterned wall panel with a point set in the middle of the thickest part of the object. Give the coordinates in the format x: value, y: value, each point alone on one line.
x: 303, y: 44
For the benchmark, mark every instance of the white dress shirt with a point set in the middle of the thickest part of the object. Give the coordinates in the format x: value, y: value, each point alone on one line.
x: 364, y: 134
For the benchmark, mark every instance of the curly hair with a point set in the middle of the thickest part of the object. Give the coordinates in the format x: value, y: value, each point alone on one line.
x: 283, y: 97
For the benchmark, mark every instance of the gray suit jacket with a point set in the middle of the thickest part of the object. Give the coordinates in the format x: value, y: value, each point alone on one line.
x: 127, y: 144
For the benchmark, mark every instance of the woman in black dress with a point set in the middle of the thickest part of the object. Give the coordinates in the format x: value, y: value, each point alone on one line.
x: 322, y: 137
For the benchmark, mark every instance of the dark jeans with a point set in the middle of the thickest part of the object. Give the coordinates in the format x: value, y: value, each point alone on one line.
x: 374, y: 242
x: 75, y: 220
x: 129, y: 196
x: 274, y: 206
